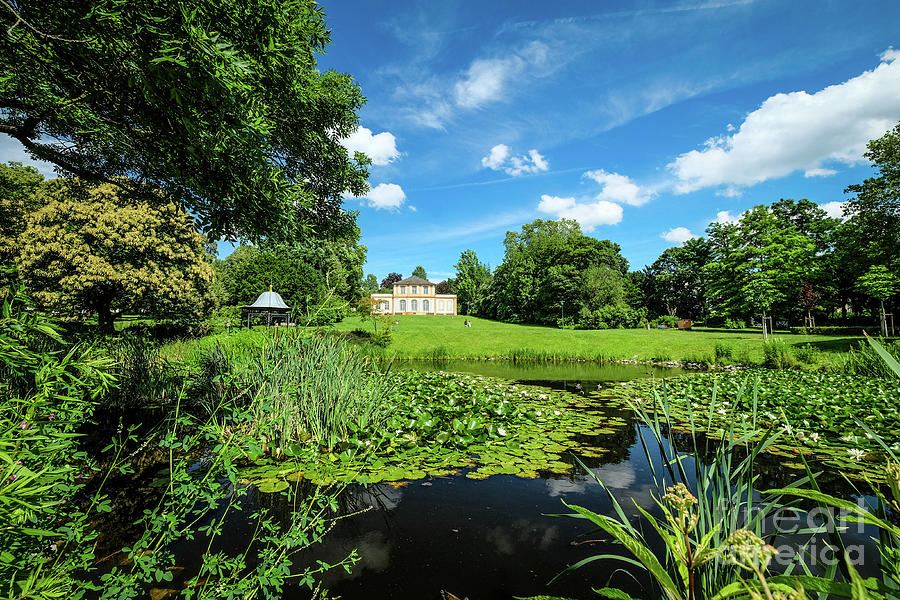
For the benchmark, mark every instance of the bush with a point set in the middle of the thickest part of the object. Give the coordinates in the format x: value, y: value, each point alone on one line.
x: 722, y: 353
x: 611, y: 317
x: 777, y: 354
x: 808, y: 354
x: 667, y: 320
x: 734, y: 324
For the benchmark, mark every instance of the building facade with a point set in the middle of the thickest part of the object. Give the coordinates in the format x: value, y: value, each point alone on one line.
x: 415, y: 296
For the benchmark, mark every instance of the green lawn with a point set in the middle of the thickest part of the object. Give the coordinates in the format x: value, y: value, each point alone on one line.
x: 444, y: 337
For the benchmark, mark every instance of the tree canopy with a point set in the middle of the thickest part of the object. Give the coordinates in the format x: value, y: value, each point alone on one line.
x: 217, y: 105
x: 419, y: 271
x: 95, y: 249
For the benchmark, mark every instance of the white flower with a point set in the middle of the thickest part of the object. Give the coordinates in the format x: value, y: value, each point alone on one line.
x: 856, y: 454
x: 501, y: 431
x: 814, y: 437
x: 722, y: 411
x: 557, y: 413
x: 542, y: 397
x: 787, y: 428
x: 537, y: 412
x: 848, y: 438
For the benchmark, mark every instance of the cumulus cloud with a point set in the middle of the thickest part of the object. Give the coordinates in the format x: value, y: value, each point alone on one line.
x: 726, y: 218
x: 389, y: 196
x: 589, y: 215
x: 499, y: 159
x: 619, y: 188
x: 834, y: 209
x: 381, y: 148
x: 677, y: 235
x: 798, y: 131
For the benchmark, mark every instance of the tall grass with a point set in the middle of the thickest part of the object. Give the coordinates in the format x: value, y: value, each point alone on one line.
x: 315, y: 388
x: 864, y: 360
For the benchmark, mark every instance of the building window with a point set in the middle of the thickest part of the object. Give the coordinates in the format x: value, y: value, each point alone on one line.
x: 425, y: 305
x: 415, y: 305
x: 403, y: 306
x: 424, y: 289
x: 415, y: 289
x: 402, y: 289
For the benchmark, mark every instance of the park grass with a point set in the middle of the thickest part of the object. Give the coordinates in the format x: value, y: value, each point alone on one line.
x: 445, y: 338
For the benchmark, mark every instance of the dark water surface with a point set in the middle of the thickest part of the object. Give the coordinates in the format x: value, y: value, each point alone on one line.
x: 495, y: 539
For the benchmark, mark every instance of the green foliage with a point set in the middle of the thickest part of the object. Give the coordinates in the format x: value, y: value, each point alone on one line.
x: 611, y: 317
x: 544, y: 272
x: 677, y: 282
x: 722, y: 353
x: 878, y: 282
x: 419, y: 271
x: 735, y: 323
x: 221, y: 105
x: 298, y: 283
x: 777, y: 354
x: 471, y: 284
x: 18, y: 197
x: 864, y: 361
x: 369, y: 285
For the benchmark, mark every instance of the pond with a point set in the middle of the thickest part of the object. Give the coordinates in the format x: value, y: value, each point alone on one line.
x: 496, y: 538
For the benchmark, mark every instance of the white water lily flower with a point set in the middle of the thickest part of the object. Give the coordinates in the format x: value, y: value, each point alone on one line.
x: 856, y: 454
x: 722, y: 411
x: 501, y: 431
x: 557, y: 413
x: 848, y: 438
x: 537, y: 412
x: 542, y: 397
x: 814, y: 437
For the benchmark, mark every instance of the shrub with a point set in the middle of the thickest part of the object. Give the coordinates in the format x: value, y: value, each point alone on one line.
x: 777, y: 354
x: 734, y: 324
x: 611, y: 317
x: 808, y: 354
x: 667, y: 320
x: 722, y: 353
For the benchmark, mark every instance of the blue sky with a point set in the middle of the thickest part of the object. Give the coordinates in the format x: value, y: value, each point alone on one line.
x: 645, y: 121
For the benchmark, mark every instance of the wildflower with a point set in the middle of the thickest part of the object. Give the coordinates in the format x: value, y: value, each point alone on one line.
x: 501, y: 431
x: 787, y: 428
x: 848, y: 438
x: 746, y: 550
x: 722, y: 411
x: 814, y: 437
x: 557, y: 413
x: 23, y: 425
x: 542, y: 397
x: 52, y: 416
x: 856, y: 454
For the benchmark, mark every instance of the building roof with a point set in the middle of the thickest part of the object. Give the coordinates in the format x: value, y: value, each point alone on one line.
x: 269, y: 299
x: 414, y: 280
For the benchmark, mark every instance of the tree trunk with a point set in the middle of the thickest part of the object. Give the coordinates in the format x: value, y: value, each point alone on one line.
x: 105, y: 320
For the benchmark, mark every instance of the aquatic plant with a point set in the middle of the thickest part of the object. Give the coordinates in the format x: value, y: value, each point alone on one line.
x: 311, y: 389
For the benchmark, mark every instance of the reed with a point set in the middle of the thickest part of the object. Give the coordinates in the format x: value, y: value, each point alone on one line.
x: 312, y: 388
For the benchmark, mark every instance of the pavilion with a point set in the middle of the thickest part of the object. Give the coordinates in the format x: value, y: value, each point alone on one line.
x: 271, y: 304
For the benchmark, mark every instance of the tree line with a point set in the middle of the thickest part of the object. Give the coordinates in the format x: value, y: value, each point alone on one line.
x: 788, y: 261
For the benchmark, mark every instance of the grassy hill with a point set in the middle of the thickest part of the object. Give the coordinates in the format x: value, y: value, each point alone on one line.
x: 445, y: 337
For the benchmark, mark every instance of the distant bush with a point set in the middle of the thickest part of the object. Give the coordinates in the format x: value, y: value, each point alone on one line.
x: 777, y: 354
x: 808, y: 354
x: 667, y: 320
x: 611, y: 317
x: 722, y: 353
x: 734, y: 324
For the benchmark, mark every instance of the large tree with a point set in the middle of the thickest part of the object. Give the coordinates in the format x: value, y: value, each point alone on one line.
x: 472, y: 281
x: 95, y: 249
x: 419, y: 271
x: 388, y: 282
x: 219, y: 105
x: 679, y: 280
x: 18, y: 197
x: 546, y: 269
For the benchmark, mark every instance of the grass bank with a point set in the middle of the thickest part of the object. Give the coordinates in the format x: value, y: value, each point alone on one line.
x: 426, y: 337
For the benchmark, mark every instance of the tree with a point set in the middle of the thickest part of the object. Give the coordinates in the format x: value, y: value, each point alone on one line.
x: 96, y: 249
x: 298, y: 283
x: 219, y: 105
x: 369, y: 285
x: 543, y: 269
x: 471, y: 282
x: 420, y: 272
x: 447, y: 286
x: 881, y: 284
x: 388, y: 282
x: 680, y: 274
x: 18, y: 197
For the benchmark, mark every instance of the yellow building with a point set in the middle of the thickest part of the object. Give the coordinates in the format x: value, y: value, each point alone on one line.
x: 415, y: 296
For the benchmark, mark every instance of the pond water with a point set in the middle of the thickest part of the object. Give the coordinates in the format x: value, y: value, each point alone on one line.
x: 496, y: 538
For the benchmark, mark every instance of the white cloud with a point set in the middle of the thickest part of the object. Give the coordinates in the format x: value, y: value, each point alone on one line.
x: 588, y: 215
x: 834, y: 209
x: 412, y: 208
x: 486, y: 79
x: 381, y: 148
x: 726, y: 218
x: 496, y: 158
x: 819, y: 173
x: 798, y: 131
x: 386, y: 195
x: 619, y: 188
x: 499, y: 159
x: 677, y: 235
